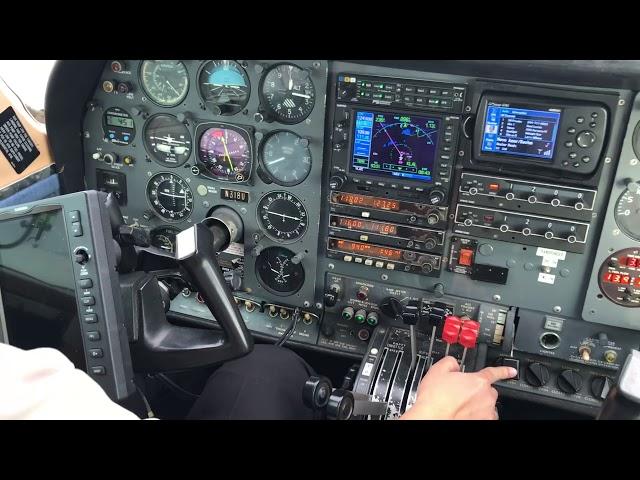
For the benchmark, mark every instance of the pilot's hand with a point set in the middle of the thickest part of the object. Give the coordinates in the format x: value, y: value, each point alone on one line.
x: 445, y: 393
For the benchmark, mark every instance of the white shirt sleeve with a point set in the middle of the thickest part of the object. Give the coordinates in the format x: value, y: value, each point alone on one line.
x: 43, y: 384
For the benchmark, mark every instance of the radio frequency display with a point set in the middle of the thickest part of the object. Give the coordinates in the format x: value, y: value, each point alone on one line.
x: 520, y: 131
x: 396, y: 145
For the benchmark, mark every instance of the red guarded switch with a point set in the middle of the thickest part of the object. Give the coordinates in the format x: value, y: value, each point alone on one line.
x: 466, y: 257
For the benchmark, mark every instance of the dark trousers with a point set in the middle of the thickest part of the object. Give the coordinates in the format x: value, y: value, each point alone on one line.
x: 264, y: 385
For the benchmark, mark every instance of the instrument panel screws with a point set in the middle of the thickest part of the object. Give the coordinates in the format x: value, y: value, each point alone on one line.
x: 557, y: 309
x: 497, y: 298
x: 621, y: 102
x: 384, y: 276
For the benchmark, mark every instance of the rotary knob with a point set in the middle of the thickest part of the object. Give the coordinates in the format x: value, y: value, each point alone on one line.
x: 336, y: 181
x: 436, y: 197
x: 392, y: 307
x: 536, y: 374
x: 600, y: 387
x: 569, y: 381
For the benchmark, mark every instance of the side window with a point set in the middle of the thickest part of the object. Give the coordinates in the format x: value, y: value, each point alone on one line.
x: 28, y: 80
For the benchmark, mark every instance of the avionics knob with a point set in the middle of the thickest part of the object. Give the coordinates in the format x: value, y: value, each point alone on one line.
x: 536, y: 374
x: 81, y: 256
x: 430, y: 244
x: 436, y: 197
x: 600, y: 387
x: 342, y: 124
x: 426, y: 267
x: 433, y: 218
x: 569, y: 381
x: 337, y: 180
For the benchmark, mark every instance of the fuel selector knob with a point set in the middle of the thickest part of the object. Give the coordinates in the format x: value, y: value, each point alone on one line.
x: 536, y: 374
x: 600, y: 387
x: 569, y: 381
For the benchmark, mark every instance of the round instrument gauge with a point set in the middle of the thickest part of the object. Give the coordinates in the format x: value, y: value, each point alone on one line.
x: 165, y: 82
x: 288, y: 94
x: 286, y: 158
x: 282, y: 216
x: 164, y: 238
x: 170, y: 197
x: 277, y: 273
x: 167, y: 140
x: 627, y: 211
x: 225, y: 152
x: 224, y: 86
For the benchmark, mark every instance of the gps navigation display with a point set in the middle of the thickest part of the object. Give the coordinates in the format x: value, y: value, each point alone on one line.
x: 395, y: 145
x: 520, y: 131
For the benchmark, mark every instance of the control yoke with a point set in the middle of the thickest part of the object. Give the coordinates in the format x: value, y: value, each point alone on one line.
x: 159, y: 345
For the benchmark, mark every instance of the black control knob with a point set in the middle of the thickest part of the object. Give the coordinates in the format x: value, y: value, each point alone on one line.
x: 124, y: 88
x: 337, y: 181
x: 328, y: 329
x: 430, y: 244
x: 433, y: 218
x: 331, y: 297
x: 536, y: 374
x: 436, y: 197
x: 342, y: 124
x: 600, y: 387
x: 392, y: 308
x: 569, y: 381
x: 81, y: 256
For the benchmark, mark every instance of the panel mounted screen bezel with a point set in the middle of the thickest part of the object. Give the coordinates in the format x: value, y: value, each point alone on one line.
x: 523, y: 102
x: 390, y: 179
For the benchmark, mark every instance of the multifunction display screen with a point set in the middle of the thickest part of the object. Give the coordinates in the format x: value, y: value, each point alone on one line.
x: 520, y: 131
x: 395, y: 145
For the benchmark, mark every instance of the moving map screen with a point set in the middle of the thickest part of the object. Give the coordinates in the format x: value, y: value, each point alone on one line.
x: 396, y: 145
